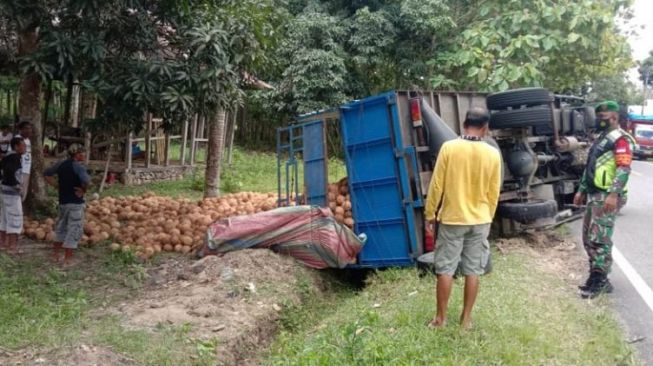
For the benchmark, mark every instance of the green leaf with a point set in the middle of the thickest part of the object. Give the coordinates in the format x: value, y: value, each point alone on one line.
x: 572, y: 37
x: 485, y: 9
x: 548, y: 43
x: 532, y: 42
x: 513, y: 74
x: 482, y: 76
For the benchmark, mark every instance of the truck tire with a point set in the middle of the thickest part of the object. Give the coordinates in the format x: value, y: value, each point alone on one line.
x: 528, y: 211
x: 517, y: 118
x: 519, y: 97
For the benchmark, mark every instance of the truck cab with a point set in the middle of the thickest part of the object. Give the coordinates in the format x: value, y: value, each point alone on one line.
x: 641, y: 127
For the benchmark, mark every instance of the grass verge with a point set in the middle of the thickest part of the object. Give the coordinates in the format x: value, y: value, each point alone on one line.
x: 51, y: 309
x: 250, y: 171
x: 524, y: 316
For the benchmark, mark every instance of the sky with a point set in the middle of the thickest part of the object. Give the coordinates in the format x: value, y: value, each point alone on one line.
x: 641, y: 43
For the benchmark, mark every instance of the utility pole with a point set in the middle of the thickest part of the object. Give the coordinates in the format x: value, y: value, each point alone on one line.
x: 644, y: 91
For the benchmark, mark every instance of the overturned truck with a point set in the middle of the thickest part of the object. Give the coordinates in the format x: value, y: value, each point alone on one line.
x: 390, y: 143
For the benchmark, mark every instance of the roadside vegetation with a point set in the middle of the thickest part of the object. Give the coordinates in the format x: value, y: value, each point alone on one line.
x: 524, y: 316
x: 250, y: 171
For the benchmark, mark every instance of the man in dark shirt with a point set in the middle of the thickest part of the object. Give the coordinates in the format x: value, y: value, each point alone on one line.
x: 11, y: 210
x: 72, y: 182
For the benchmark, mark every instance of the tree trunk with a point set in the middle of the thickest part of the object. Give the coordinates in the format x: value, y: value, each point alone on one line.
x: 69, y: 98
x: 216, y: 135
x: 44, y: 120
x: 89, y: 107
x: 74, y: 107
x: 231, y: 134
x: 28, y: 104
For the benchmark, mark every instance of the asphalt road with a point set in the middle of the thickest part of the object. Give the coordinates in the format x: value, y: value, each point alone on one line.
x: 632, y: 273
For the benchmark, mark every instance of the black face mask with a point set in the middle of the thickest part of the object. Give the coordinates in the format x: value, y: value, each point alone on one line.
x: 602, y: 124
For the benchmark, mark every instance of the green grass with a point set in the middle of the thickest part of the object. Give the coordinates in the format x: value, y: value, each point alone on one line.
x: 523, y: 317
x: 42, y: 308
x: 41, y: 305
x: 250, y: 171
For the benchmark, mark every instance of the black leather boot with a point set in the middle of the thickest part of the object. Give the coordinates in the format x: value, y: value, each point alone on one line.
x: 599, y: 284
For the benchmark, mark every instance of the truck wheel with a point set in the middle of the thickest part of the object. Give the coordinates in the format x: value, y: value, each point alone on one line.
x: 519, y: 97
x: 517, y: 118
x: 528, y: 211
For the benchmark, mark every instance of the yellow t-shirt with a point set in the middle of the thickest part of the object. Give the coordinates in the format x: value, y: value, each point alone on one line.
x: 467, y: 181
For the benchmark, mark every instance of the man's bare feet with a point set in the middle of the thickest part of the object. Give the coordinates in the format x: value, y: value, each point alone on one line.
x: 466, y: 324
x: 437, y: 323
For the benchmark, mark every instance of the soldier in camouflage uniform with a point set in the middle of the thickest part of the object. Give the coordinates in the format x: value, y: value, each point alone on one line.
x: 603, y: 186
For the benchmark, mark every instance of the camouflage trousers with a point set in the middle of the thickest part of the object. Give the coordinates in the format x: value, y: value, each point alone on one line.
x: 598, y: 227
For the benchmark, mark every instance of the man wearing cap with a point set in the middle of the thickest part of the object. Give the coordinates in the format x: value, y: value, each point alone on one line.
x: 72, y: 182
x: 603, y: 187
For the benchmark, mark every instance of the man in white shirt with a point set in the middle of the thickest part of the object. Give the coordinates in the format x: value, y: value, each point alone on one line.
x: 25, y: 132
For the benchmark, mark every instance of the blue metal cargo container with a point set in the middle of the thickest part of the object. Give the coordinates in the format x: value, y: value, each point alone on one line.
x: 385, y: 184
x: 377, y: 166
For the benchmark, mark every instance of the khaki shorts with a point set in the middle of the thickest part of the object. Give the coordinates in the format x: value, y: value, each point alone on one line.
x: 70, y: 224
x: 466, y: 245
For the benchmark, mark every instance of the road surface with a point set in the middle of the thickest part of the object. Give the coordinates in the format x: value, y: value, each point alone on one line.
x: 632, y: 273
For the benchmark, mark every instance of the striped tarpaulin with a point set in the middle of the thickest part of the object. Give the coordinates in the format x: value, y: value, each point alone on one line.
x: 310, y: 234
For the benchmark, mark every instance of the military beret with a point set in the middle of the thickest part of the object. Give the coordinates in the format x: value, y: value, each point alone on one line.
x: 607, y: 106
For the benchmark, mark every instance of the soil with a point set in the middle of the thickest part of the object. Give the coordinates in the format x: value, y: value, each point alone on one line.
x: 560, y: 254
x: 81, y: 355
x: 237, y: 299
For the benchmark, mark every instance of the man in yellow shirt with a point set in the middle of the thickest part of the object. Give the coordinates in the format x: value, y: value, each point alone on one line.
x: 463, y: 195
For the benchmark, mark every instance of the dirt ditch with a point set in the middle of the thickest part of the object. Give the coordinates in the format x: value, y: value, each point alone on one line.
x: 239, y: 298
x: 235, y: 300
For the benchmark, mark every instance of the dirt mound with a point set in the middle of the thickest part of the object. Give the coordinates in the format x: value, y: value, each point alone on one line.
x: 236, y: 298
x: 561, y: 255
x: 81, y: 355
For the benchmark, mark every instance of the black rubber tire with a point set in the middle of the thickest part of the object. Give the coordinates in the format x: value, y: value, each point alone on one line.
x: 528, y: 211
x: 517, y: 118
x: 519, y: 97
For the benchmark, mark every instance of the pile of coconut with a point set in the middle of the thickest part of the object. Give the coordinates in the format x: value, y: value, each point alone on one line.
x: 340, y: 202
x: 149, y: 224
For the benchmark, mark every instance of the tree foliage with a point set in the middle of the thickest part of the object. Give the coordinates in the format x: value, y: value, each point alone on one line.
x: 560, y: 45
x: 617, y: 88
x: 176, y: 58
x: 336, y: 50
x: 646, y: 70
